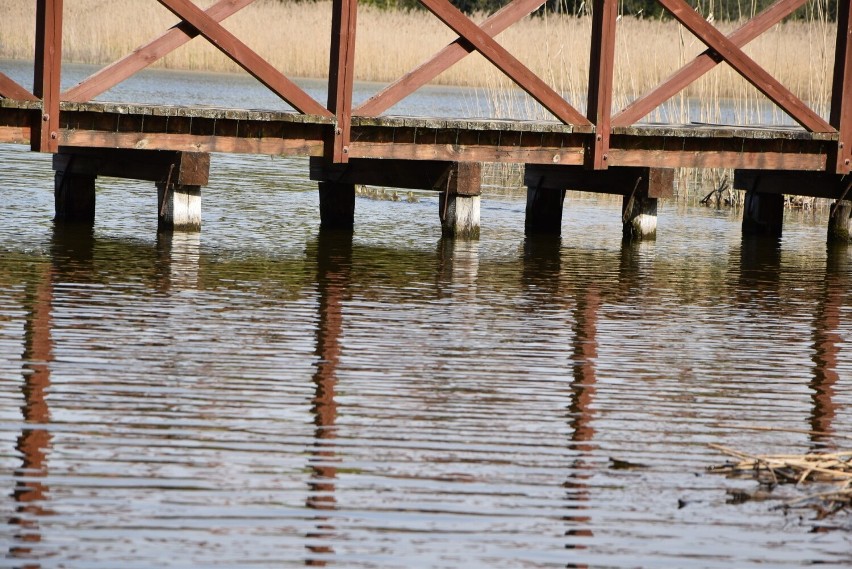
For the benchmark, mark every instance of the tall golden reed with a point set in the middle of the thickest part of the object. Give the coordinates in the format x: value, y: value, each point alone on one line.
x: 294, y: 38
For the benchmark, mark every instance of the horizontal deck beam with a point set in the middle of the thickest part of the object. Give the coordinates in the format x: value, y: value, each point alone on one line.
x: 105, y: 125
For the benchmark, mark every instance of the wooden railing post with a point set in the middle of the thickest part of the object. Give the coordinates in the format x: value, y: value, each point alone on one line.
x: 841, y: 92
x: 48, y: 62
x: 340, y: 78
x: 601, y: 63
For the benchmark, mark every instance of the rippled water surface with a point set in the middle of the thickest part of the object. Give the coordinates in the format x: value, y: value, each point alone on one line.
x: 263, y: 395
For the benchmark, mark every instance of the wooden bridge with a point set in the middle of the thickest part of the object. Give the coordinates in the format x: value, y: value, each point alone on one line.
x: 602, y: 150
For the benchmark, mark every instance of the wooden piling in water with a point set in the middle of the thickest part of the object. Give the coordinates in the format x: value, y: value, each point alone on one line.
x: 74, y: 197
x: 178, y: 207
x: 763, y: 214
x: 544, y: 211
x: 639, y: 217
x: 459, y: 203
x: 337, y: 205
x: 839, y: 221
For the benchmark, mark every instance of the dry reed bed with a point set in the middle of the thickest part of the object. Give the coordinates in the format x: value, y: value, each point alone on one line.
x: 834, y: 468
x: 294, y: 38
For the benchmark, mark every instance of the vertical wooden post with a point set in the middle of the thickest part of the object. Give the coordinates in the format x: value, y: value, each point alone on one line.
x: 839, y: 222
x: 48, y: 62
x: 763, y: 214
x: 544, y: 211
x: 639, y: 217
x: 337, y: 206
x: 178, y: 207
x: 459, y: 201
x: 601, y: 63
x: 841, y: 92
x: 341, y: 74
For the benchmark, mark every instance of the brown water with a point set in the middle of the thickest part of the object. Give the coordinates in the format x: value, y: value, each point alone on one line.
x: 263, y: 395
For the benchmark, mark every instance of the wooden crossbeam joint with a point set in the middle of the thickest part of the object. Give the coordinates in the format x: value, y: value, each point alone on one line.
x: 341, y: 78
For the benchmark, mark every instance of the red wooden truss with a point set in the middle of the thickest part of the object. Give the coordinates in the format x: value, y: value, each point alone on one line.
x: 598, y: 121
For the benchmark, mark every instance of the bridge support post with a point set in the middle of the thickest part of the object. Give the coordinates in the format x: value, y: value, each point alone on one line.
x: 839, y: 222
x: 639, y: 217
x: 544, y: 211
x: 74, y: 197
x: 337, y: 205
x: 763, y: 214
x: 459, y: 203
x: 178, y: 207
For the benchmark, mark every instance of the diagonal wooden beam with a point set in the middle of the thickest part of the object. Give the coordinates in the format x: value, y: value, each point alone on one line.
x: 746, y: 66
x: 11, y: 90
x: 444, y: 59
x: 143, y: 56
x: 703, y: 63
x: 505, y: 62
x: 245, y: 57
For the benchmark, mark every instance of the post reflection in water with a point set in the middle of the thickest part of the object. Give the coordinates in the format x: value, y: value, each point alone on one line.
x: 31, y: 493
x: 543, y: 271
x: 334, y: 263
x: 826, y: 342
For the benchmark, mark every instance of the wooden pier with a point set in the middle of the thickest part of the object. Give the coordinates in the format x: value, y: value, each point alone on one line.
x: 602, y: 150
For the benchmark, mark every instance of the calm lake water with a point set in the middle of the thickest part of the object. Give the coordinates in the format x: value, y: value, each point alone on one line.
x: 263, y: 395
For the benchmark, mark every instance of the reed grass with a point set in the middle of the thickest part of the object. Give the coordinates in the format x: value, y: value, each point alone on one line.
x: 294, y: 37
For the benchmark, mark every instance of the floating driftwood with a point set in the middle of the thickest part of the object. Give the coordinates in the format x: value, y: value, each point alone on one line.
x: 834, y: 469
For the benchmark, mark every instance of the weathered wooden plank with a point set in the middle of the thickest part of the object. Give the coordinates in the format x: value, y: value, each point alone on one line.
x: 506, y: 62
x: 791, y: 182
x: 601, y: 64
x: 465, y: 153
x: 341, y: 77
x: 11, y: 90
x: 444, y: 59
x: 841, y: 92
x: 745, y: 66
x: 245, y: 57
x: 183, y: 168
x: 193, y: 143
x: 15, y: 134
x: 754, y: 159
x: 650, y: 182
x: 143, y: 56
x: 703, y: 63
x: 48, y: 63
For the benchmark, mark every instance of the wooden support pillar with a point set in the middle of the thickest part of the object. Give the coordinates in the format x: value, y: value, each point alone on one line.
x: 639, y: 217
x: 74, y: 197
x: 763, y: 214
x: 337, y: 205
x: 544, y: 211
x: 459, y: 202
x: 839, y: 221
x: 178, y: 207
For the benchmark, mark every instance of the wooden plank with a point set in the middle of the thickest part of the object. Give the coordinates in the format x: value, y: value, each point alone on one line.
x: 341, y: 77
x: 791, y: 182
x: 48, y: 63
x: 466, y: 153
x: 746, y: 66
x: 409, y: 174
x: 143, y: 56
x: 841, y: 92
x: 9, y: 89
x: 601, y: 64
x: 703, y: 63
x: 193, y: 143
x: 649, y: 182
x: 184, y: 168
x: 444, y: 59
x: 756, y: 159
x: 15, y: 134
x: 245, y: 57
x: 506, y: 62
